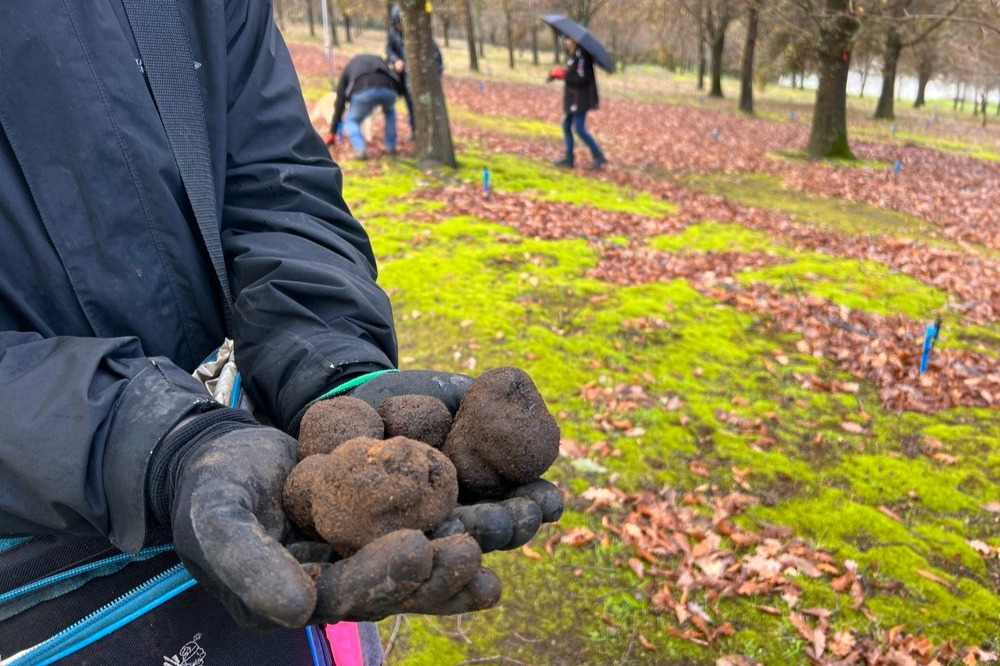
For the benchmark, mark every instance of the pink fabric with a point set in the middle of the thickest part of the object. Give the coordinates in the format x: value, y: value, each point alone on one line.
x: 345, y: 643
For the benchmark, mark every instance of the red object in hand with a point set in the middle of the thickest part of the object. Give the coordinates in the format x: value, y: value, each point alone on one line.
x: 557, y: 72
x: 329, y: 139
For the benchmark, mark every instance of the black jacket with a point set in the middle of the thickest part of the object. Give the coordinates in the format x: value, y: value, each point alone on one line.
x: 362, y: 72
x: 580, y: 93
x: 107, y: 299
x: 395, y: 49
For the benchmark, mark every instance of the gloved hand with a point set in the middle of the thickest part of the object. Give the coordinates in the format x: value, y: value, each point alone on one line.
x: 217, y: 481
x: 557, y: 72
x: 496, y: 525
x: 329, y: 139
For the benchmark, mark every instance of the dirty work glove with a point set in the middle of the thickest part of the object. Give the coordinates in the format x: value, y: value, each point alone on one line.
x: 217, y: 481
x: 495, y: 525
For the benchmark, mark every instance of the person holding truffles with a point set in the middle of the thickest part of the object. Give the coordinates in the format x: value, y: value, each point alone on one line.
x: 186, y: 199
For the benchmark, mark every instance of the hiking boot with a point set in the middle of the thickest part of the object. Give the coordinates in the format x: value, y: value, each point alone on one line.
x: 598, y: 162
x: 565, y: 163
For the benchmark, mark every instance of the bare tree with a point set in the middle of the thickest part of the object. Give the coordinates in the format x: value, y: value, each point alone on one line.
x: 470, y: 37
x: 714, y: 18
x: 582, y: 11
x: 433, y: 133
x: 907, y: 22
x: 508, y: 28
x: 749, y: 48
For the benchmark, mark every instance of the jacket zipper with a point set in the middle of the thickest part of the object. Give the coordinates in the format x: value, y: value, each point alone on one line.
x: 143, y: 554
x: 109, y: 618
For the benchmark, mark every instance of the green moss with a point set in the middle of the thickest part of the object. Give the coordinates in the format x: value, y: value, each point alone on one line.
x: 861, y: 285
x: 801, y: 156
x: 763, y: 191
x: 945, y: 145
x: 716, y: 237
x: 518, y: 174
x: 471, y: 294
x: 516, y: 126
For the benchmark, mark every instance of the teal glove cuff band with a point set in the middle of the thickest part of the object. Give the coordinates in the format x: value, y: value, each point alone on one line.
x: 351, y: 384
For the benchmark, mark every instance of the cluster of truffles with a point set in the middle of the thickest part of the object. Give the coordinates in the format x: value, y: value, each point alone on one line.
x: 364, y: 473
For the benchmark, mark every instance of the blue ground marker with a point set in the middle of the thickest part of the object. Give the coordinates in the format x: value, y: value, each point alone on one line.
x: 929, y: 339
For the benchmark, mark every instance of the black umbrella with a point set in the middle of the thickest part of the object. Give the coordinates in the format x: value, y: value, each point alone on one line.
x: 584, y: 38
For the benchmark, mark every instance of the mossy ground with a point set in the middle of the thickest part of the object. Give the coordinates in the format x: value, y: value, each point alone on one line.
x: 471, y: 294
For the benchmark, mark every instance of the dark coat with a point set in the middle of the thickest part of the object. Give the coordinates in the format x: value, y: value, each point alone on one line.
x: 107, y: 299
x: 363, y: 72
x: 580, y: 93
x: 395, y: 49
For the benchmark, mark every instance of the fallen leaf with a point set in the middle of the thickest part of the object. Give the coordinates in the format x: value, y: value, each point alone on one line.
x: 929, y: 575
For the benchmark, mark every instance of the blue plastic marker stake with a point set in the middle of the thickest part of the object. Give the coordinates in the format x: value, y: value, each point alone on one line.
x: 716, y: 133
x: 929, y: 339
x: 897, y: 168
x: 486, y: 181
x: 795, y: 116
x: 482, y: 86
x: 894, y: 128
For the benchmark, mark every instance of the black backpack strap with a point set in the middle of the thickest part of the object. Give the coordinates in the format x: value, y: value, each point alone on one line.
x: 167, y: 59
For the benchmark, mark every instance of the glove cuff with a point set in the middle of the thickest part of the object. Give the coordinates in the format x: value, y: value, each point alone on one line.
x: 168, y: 458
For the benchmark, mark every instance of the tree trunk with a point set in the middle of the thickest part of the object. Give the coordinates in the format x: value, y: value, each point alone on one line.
x: 333, y: 23
x: 893, y: 47
x: 556, y: 47
x: 347, y: 28
x: 828, y: 137
x: 701, y: 55
x: 509, y: 32
x: 445, y: 24
x: 470, y: 37
x: 310, y: 18
x: 749, y: 46
x: 718, y: 45
x: 433, y: 133
x: 534, y: 43
x: 923, y: 78
x: 864, y: 79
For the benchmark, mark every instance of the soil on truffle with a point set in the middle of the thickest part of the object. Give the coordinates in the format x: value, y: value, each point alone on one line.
x: 329, y: 423
x: 503, y: 434
x: 420, y: 417
x: 297, y: 494
x: 367, y: 488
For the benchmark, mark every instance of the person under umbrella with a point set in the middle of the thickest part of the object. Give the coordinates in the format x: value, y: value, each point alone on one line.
x: 579, y: 96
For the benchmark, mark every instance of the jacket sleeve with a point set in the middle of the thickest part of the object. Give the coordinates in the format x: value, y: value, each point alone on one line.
x: 338, y: 107
x: 394, y: 47
x: 578, y: 74
x: 308, y: 313
x: 81, y: 417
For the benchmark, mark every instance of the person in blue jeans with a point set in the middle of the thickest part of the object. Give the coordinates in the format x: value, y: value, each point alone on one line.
x: 579, y: 97
x: 366, y: 84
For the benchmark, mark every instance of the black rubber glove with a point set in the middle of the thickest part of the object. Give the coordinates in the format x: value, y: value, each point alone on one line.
x: 495, y: 525
x: 218, y: 480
